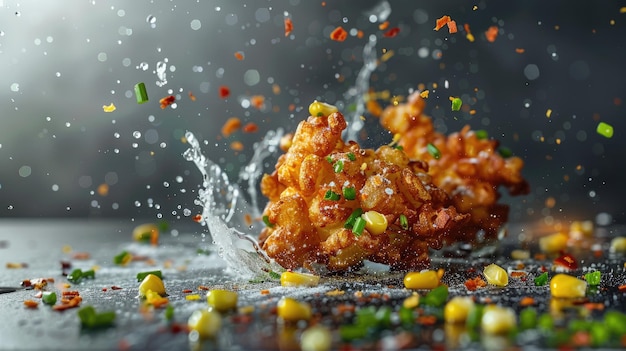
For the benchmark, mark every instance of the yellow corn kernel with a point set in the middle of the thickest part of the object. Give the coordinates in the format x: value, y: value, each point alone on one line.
x: 291, y: 310
x: 581, y: 228
x: 618, y: 244
x: 563, y: 285
x: 152, y: 298
x: 317, y: 108
x: 421, y: 280
x: 520, y: 254
x: 412, y: 301
x: 316, y: 338
x: 457, y: 309
x: 192, y: 297
x: 498, y: 320
x: 375, y: 222
x: 553, y: 243
x: 222, y: 300
x: 151, y: 282
x: 496, y: 275
x: 298, y: 279
x: 206, y: 323
x: 145, y: 232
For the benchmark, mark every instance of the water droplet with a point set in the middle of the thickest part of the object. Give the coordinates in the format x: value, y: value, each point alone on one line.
x: 136, y: 134
x: 196, y: 24
x: 15, y: 87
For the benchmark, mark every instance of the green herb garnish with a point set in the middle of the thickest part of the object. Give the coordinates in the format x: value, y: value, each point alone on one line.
x: 359, y: 225
x: 352, y: 218
x: 266, y: 220
x: 338, y: 166
x: 433, y: 151
x: 349, y: 193
x: 331, y: 195
x: 404, y: 222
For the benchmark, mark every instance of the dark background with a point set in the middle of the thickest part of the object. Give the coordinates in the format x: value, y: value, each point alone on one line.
x: 57, y: 146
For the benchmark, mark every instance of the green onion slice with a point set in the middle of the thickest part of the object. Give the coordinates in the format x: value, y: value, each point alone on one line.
x: 404, y: 222
x: 351, y: 156
x: 456, y: 104
x: 349, y: 193
x: 141, y: 93
x: 266, y: 220
x: 331, y: 195
x: 605, y: 129
x: 433, y: 151
x: 359, y: 225
x: 481, y: 134
x: 338, y: 167
x: 352, y: 218
x: 49, y: 297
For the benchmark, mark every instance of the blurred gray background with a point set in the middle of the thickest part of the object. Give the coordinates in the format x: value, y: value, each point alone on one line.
x: 61, y: 155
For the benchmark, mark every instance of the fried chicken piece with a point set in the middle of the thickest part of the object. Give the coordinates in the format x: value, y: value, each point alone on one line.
x: 309, y: 204
x: 469, y: 168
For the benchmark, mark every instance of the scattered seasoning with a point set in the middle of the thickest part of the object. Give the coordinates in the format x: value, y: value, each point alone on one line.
x: 491, y: 34
x: 404, y: 222
x: 109, y: 108
x: 542, y: 279
x: 191, y: 96
x: 359, y: 225
x: 424, y: 94
x: 519, y: 50
x: 141, y: 93
x: 331, y: 195
x: 433, y: 151
x: 469, y: 36
x: 527, y: 301
x: 266, y: 220
x: 338, y: 166
x: 288, y: 26
x: 339, y: 34
x: 258, y: 101
x: 392, y: 32
x: 456, y: 104
x: 566, y: 260
x: 224, y: 92
x: 349, y: 193
x: 605, y: 129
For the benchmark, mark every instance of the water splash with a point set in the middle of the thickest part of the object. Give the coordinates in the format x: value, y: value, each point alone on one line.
x: 224, y: 210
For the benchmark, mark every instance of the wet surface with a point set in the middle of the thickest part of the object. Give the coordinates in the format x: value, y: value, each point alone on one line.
x: 189, y: 267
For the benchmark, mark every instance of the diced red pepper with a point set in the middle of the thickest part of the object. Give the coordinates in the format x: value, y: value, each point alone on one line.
x: 392, y: 32
x: 339, y: 34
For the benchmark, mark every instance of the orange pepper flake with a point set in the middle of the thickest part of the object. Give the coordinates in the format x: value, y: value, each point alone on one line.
x: 204, y: 288
x: 392, y: 32
x: 31, y: 303
x: 339, y: 34
x: 224, y: 92
x: 197, y: 218
x: 598, y: 306
x: 288, y: 26
x: 475, y: 283
x: 374, y: 108
x: 258, y: 101
x: 232, y: 125
x: 239, y: 55
x: 360, y: 34
x: 237, y: 146
x: 427, y: 320
x: 517, y: 274
x: 383, y: 25
x: 81, y: 256
x: 527, y: 301
x: 191, y: 96
x: 70, y: 293
x: 166, y: 101
x: 491, y: 34
x: 442, y: 22
x: 265, y: 292
x: 519, y: 50
x: 104, y: 289
x: 250, y: 127
x: 452, y: 27
x: 103, y: 189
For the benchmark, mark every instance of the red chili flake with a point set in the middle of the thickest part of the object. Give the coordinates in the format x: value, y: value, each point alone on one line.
x: 392, y: 32
x: 452, y: 27
x: 598, y: 306
x: 566, y: 260
x: 187, y: 291
x: 115, y: 287
x: 475, y: 283
x: 191, y: 96
x: 491, y: 34
x: 527, y: 301
x: 581, y: 339
x: 250, y: 128
x: 383, y: 25
x: 104, y: 289
x: 202, y: 287
x: 224, y: 92
x: 230, y: 126
x: 81, y: 256
x: 241, y: 318
x: 197, y: 218
x: 339, y: 34
x: 517, y: 274
x: 70, y: 293
x: 442, y: 22
x: 26, y: 283
x: 265, y: 292
x: 288, y: 26
x: 166, y: 101
x: 239, y: 55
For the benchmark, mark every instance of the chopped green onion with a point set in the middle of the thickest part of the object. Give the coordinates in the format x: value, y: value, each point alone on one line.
x: 49, y: 297
x: 90, y: 319
x: 436, y: 297
x: 456, y: 104
x: 169, y: 312
x: 320, y: 114
x: 329, y: 159
x: 274, y: 275
x: 398, y: 147
x: 349, y: 193
x: 266, y: 220
x: 331, y: 195
x: 505, y: 152
x: 481, y: 134
x: 122, y: 258
x: 433, y: 151
x: 352, y: 218
x: 359, y: 225
x: 528, y: 318
x: 141, y: 93
x: 338, y: 167
x: 77, y: 275
x: 605, y: 129
x: 404, y: 222
x: 351, y: 156
x: 593, y: 278
x: 89, y: 274
x: 542, y: 279
x: 142, y: 275
x: 545, y: 322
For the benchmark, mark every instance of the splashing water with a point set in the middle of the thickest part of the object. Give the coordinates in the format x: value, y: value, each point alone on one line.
x: 224, y: 209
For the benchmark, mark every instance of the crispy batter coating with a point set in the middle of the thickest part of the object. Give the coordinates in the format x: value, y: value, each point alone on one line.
x: 469, y: 169
x: 308, y: 229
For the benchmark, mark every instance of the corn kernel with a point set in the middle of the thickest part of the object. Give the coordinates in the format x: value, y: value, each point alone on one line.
x: 192, y: 297
x: 151, y: 282
x: 375, y: 222
x: 496, y: 275
x: 206, y: 323
x: 553, y: 243
x: 520, y: 254
x: 317, y: 338
x: 412, y: 301
x: 421, y: 280
x: 457, y: 309
x: 498, y: 320
x: 222, y: 300
x: 563, y: 285
x: 618, y: 244
x: 298, y: 279
x: 317, y: 108
x: 291, y: 310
